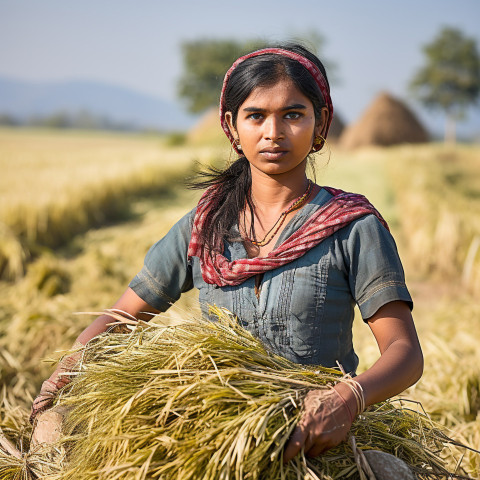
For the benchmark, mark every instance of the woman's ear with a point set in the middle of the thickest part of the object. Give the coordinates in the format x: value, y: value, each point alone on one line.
x: 321, y: 126
x: 231, y: 126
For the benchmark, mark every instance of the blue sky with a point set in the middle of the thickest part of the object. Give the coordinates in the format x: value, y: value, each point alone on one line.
x: 375, y: 44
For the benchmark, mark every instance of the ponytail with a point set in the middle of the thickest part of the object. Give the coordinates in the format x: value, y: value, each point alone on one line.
x: 230, y: 195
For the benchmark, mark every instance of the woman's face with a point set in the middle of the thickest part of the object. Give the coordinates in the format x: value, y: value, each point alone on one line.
x: 276, y: 126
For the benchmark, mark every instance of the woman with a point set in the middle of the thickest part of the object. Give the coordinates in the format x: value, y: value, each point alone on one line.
x: 290, y: 258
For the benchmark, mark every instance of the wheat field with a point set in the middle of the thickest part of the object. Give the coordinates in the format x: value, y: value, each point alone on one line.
x: 55, y: 186
x: 79, y: 211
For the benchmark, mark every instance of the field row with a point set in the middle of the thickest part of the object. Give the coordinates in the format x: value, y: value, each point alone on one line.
x: 55, y: 186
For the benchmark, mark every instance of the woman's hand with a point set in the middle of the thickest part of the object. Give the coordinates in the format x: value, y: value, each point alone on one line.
x: 50, y: 388
x: 44, y: 400
x: 328, y: 414
x: 325, y: 423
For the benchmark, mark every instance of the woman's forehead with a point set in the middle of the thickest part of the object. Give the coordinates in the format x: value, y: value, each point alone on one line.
x: 282, y: 92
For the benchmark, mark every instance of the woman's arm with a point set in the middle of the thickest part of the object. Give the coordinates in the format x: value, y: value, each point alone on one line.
x: 401, y: 362
x: 328, y: 415
x: 130, y: 303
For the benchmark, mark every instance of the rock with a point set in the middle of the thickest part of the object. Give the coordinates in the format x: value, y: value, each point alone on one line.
x: 48, y: 427
x: 387, y: 467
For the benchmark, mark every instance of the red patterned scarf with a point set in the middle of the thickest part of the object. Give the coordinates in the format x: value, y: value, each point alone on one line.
x: 337, y: 213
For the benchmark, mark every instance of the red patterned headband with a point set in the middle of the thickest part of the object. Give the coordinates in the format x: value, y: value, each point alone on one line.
x: 310, y: 66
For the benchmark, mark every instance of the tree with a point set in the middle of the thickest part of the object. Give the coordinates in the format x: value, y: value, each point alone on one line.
x: 450, y: 78
x: 205, y: 63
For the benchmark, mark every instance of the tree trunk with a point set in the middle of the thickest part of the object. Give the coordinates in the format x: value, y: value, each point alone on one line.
x: 450, y: 129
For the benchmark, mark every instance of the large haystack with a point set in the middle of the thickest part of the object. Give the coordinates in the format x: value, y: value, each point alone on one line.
x: 387, y: 121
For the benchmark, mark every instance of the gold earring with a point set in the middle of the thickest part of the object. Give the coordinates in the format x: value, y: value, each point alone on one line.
x: 318, y: 143
x: 237, y: 143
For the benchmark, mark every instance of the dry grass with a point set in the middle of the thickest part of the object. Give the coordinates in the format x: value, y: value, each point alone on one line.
x: 437, y: 191
x: 450, y: 388
x: 35, y: 322
x: 55, y: 186
x: 448, y: 328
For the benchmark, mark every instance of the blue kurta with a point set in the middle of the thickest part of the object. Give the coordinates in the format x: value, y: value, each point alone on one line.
x: 305, y: 309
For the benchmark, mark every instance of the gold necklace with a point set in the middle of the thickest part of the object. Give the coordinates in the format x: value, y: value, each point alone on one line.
x: 277, y: 225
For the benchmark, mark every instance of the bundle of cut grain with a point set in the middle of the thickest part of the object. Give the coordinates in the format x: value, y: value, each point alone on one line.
x: 387, y: 121
x: 206, y: 400
x: 17, y: 460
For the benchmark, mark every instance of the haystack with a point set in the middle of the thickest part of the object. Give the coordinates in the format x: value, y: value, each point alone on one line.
x: 207, y: 130
x: 387, y: 121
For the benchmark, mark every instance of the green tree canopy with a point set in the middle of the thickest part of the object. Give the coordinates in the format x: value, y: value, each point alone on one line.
x: 205, y: 63
x: 450, y: 78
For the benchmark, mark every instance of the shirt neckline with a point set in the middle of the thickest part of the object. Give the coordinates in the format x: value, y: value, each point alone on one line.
x: 292, y: 225
x: 298, y: 219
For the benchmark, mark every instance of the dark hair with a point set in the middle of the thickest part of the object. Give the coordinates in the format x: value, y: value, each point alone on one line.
x: 268, y: 69
x: 233, y: 184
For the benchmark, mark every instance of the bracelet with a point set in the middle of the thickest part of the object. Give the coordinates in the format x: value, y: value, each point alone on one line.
x: 358, y: 394
x: 356, y: 388
x: 346, y: 404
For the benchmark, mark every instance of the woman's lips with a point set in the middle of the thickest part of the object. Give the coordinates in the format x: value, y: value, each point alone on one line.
x: 273, y: 153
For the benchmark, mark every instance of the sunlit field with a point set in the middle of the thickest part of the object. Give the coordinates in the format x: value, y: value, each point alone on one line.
x: 55, y: 186
x: 79, y: 211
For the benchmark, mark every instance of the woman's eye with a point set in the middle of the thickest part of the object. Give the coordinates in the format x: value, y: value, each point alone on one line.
x: 255, y: 116
x: 293, y: 115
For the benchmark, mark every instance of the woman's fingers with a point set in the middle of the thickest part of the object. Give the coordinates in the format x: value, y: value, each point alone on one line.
x: 325, y: 423
x: 316, y: 450
x: 40, y: 404
x: 296, y: 443
x: 41, y: 401
x: 313, y: 445
x: 309, y: 443
x: 322, y: 443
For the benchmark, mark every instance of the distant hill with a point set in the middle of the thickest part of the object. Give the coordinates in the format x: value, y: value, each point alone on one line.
x: 24, y: 100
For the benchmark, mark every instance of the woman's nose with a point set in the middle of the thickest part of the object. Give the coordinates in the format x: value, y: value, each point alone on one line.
x: 273, y: 128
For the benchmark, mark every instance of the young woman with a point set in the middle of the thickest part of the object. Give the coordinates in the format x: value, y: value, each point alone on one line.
x: 290, y: 258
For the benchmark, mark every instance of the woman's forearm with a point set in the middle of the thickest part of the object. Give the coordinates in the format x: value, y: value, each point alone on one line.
x: 98, y: 326
x: 401, y: 362
x: 130, y: 303
x: 399, y: 367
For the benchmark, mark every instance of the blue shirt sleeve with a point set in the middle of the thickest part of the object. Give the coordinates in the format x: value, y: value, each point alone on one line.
x: 376, y: 274
x: 166, y: 272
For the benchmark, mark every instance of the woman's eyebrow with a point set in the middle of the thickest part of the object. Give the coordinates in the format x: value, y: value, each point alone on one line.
x: 296, y: 106
x: 254, y: 109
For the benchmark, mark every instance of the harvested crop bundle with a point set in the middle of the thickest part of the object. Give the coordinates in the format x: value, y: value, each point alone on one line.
x: 206, y: 400
x: 17, y: 460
